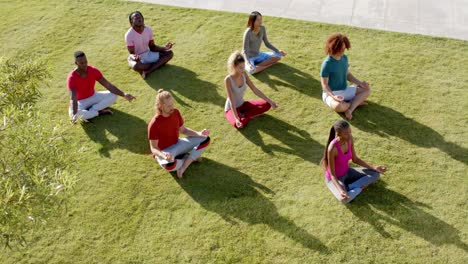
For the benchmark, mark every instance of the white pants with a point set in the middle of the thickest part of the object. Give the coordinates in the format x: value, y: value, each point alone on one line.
x: 145, y: 58
x: 90, y: 107
x: 194, y: 145
x: 348, y: 94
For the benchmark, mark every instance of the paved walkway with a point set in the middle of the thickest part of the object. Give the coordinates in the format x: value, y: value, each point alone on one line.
x: 444, y: 18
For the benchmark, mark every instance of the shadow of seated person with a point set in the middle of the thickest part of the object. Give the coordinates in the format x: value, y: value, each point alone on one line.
x: 235, y: 197
x: 385, y: 121
x: 294, y: 141
x: 288, y: 76
x: 129, y: 131
x: 384, y: 208
x: 181, y: 81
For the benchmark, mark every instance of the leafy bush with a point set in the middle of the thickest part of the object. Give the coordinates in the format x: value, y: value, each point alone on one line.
x: 34, y: 163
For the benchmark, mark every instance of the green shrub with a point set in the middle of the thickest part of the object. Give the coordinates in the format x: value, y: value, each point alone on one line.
x: 34, y: 163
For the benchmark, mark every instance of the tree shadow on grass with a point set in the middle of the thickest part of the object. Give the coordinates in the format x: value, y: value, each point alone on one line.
x: 182, y: 81
x: 130, y: 131
x: 298, y: 142
x: 385, y: 121
x: 236, y: 197
x: 381, y: 205
x: 292, y: 78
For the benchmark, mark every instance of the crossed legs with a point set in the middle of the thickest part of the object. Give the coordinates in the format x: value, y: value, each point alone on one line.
x: 145, y: 69
x: 348, y: 107
x: 195, y: 145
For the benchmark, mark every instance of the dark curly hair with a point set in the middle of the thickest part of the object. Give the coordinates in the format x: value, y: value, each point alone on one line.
x: 335, y: 43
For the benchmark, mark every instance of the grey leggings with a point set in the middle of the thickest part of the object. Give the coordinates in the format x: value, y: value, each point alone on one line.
x: 353, y: 182
x: 194, y: 145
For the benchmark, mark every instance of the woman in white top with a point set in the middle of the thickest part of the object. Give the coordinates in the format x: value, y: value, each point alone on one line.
x: 237, y: 111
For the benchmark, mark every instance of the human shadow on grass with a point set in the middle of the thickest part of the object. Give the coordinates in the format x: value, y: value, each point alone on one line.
x: 129, y: 130
x: 385, y: 121
x: 235, y: 197
x: 293, y: 78
x: 182, y: 81
x: 297, y: 141
x: 380, y: 205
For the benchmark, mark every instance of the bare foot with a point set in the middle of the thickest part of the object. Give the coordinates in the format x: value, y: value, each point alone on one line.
x: 106, y: 111
x: 181, y: 170
x: 363, y: 103
x: 180, y: 174
x: 349, y: 114
x: 143, y: 75
x: 200, y: 159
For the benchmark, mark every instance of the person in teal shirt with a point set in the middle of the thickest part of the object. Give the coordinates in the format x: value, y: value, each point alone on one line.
x: 334, y: 76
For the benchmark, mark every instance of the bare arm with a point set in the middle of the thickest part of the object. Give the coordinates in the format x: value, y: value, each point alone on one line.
x: 192, y: 133
x: 161, y: 154
x: 155, y: 150
x: 227, y: 83
x: 325, y: 87
x: 331, y: 153
x: 156, y: 48
x: 259, y: 93
x: 113, y: 89
x: 350, y: 77
x: 73, y: 101
x: 131, y: 50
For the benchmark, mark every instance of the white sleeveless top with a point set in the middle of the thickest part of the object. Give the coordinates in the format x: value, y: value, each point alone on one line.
x: 237, y: 92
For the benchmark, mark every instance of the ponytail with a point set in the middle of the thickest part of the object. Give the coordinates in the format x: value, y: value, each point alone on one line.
x: 324, y: 161
x: 338, y: 126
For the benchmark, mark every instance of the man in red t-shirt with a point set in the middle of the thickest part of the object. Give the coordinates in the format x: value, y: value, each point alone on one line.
x: 163, y: 134
x: 85, y: 103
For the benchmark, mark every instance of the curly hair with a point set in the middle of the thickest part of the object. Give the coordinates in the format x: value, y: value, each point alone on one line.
x: 335, y: 43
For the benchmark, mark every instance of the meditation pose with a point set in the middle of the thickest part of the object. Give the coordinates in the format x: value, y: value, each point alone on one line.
x: 171, y: 152
x: 145, y: 57
x: 334, y: 76
x: 85, y: 103
x: 237, y: 111
x: 343, y: 181
x: 254, y: 35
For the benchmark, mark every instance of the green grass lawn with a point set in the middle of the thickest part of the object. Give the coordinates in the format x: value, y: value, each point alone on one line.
x: 259, y: 196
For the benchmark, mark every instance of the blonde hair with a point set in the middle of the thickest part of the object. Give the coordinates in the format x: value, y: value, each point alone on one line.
x: 160, y: 97
x: 235, y: 59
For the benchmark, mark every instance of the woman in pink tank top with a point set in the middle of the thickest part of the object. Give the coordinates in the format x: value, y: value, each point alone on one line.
x: 343, y: 181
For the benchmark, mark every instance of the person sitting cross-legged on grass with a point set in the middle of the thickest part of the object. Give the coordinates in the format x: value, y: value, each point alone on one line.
x: 237, y: 111
x: 343, y: 181
x: 145, y: 57
x: 85, y: 103
x: 171, y: 152
x: 334, y: 75
x: 254, y: 35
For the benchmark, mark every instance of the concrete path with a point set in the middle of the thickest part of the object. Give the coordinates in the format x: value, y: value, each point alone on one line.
x: 443, y: 18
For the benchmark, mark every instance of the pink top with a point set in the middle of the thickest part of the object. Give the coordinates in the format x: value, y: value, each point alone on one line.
x: 84, y: 87
x: 341, y: 160
x: 139, y: 41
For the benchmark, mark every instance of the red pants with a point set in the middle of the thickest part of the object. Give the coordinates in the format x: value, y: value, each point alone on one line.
x: 247, y: 111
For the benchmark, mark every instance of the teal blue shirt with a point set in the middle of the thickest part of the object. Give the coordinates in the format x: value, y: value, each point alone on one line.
x: 336, y: 71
